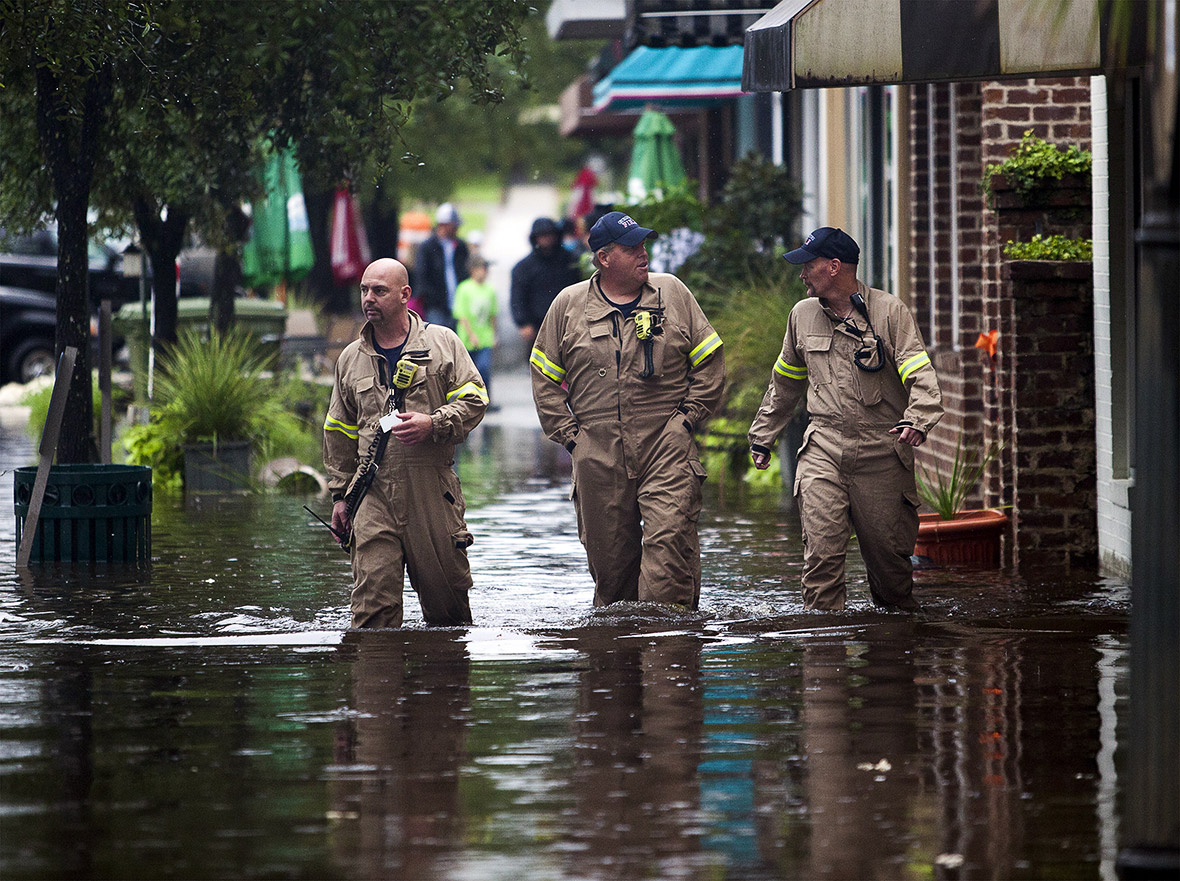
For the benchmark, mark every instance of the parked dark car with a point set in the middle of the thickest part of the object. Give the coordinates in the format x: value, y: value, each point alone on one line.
x: 27, y: 322
x: 30, y: 261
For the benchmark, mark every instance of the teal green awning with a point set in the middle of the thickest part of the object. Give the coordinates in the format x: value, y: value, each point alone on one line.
x: 671, y: 78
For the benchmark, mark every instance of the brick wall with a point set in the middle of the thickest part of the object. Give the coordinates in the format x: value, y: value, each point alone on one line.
x: 1051, y: 427
x: 955, y: 302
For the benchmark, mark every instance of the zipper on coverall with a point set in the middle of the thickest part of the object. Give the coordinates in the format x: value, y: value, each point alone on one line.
x: 614, y: 330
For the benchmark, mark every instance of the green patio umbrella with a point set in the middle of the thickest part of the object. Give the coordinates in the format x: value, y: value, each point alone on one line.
x: 655, y: 161
x: 279, y: 249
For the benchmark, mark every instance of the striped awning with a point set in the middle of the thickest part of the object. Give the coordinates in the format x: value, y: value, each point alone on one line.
x: 818, y: 43
x: 671, y: 78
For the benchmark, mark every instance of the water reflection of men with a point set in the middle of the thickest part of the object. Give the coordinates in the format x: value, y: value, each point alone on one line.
x: 639, y: 742
x: 412, y: 518
x: 872, y: 396
x: 625, y: 367
x: 397, y: 799
x: 852, y: 718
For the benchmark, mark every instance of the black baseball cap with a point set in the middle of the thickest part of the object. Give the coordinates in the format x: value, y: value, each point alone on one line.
x: 617, y: 227
x: 827, y: 241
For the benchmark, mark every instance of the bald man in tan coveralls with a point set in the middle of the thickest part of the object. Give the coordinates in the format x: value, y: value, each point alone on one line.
x: 856, y: 465
x: 413, y: 516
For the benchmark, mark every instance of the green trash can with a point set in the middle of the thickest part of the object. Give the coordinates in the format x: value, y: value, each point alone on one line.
x: 91, y: 513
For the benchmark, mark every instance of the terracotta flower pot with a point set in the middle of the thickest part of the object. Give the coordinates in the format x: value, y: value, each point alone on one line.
x: 971, y: 539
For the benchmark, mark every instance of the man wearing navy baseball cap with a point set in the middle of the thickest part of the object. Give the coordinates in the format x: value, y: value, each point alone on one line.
x: 828, y: 242
x: 872, y: 397
x: 625, y: 368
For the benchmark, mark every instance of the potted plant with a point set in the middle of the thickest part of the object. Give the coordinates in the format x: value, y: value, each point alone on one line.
x: 214, y: 393
x: 1034, y: 168
x: 950, y: 536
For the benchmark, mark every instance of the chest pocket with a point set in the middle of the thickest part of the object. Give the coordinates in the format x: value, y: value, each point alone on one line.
x: 426, y: 393
x: 370, y: 399
x: 818, y: 357
x: 671, y: 351
x: 595, y: 346
x: 868, y: 385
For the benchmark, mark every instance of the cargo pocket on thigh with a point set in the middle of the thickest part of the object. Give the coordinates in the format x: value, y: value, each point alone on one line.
x: 462, y: 539
x: 797, y: 492
x: 697, y: 501
x: 452, y: 496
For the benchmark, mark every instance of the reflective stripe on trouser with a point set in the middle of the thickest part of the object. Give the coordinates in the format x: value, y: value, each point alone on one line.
x: 418, y: 531
x: 640, y: 534
x: 848, y: 483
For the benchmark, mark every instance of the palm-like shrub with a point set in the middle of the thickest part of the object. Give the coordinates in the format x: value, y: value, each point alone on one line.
x: 215, y: 389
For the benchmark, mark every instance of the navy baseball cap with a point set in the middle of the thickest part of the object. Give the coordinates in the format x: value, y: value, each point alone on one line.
x: 827, y: 241
x: 617, y: 227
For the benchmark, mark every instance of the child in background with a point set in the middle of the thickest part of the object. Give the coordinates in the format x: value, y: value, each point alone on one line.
x: 475, y: 319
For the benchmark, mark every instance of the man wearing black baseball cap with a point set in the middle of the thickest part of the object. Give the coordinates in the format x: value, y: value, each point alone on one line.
x: 872, y: 397
x: 625, y: 367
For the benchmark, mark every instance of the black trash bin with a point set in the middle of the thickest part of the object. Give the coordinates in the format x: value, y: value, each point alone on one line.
x: 91, y: 513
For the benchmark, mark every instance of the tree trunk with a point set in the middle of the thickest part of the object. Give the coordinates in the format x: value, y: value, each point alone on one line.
x: 227, y: 270
x: 320, y: 283
x: 162, y: 239
x: 70, y: 146
x: 383, y: 225
x: 76, y: 444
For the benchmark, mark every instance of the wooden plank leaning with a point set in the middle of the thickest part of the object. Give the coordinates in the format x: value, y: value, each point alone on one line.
x: 104, y: 381
x: 47, y: 450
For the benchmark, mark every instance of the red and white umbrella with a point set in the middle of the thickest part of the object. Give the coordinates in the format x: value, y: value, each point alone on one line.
x: 349, y: 245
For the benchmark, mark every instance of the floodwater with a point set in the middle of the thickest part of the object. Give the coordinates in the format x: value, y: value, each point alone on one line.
x: 209, y: 717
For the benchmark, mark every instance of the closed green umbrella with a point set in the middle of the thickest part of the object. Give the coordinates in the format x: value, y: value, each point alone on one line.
x: 279, y: 249
x: 655, y: 161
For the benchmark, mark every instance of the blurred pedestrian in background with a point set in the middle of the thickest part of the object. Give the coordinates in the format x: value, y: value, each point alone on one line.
x: 538, y: 278
x: 442, y: 263
x: 475, y: 313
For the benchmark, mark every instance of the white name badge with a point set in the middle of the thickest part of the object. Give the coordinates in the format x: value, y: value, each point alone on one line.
x: 388, y: 421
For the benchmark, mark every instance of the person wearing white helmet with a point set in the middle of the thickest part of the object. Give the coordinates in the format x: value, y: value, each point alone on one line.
x: 442, y: 264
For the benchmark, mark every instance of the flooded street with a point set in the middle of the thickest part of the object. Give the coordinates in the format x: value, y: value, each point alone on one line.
x: 211, y: 718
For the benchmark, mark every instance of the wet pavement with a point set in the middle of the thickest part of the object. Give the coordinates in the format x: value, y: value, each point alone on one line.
x: 209, y: 716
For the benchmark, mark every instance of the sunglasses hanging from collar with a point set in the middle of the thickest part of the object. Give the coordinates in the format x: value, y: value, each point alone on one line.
x: 870, y: 357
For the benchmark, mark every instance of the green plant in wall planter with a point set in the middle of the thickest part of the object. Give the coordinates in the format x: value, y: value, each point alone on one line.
x: 1051, y: 248
x: 1034, y: 165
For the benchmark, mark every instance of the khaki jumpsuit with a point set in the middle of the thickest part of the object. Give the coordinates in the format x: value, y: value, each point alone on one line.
x: 412, y: 517
x: 852, y: 473
x: 636, y: 470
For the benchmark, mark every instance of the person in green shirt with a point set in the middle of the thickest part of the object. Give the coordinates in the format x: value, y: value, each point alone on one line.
x: 475, y: 310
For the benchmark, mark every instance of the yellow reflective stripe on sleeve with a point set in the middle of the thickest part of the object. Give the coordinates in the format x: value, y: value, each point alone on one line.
x: 351, y: 431
x: 911, y: 364
x: 790, y: 371
x: 468, y: 388
x: 710, y: 345
x: 547, y: 367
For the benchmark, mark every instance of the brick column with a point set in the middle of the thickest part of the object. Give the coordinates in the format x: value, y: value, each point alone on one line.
x: 1049, y: 344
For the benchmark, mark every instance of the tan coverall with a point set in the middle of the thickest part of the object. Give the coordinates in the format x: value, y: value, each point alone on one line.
x: 636, y: 470
x: 413, y: 516
x: 852, y: 473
